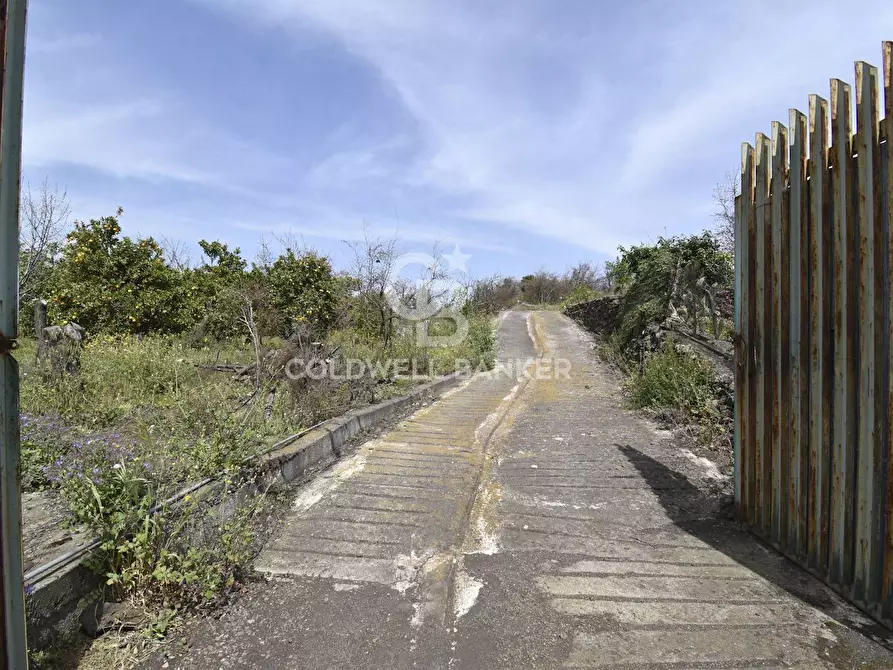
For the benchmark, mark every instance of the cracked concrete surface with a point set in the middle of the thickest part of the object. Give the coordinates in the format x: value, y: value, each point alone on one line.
x: 527, y: 524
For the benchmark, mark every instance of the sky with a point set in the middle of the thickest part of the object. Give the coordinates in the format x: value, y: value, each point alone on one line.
x: 526, y: 133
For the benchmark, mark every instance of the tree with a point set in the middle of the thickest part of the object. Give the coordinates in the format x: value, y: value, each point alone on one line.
x: 212, y: 290
x: 372, y: 267
x: 176, y: 252
x: 493, y: 294
x: 305, y: 291
x: 724, y: 195
x: 655, y: 279
x: 585, y: 274
x: 114, y: 284
x: 541, y: 288
x: 44, y: 219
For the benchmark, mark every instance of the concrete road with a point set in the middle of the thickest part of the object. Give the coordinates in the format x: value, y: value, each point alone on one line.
x: 526, y: 523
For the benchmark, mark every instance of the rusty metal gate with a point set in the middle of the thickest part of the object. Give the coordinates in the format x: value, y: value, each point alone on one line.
x: 814, y: 315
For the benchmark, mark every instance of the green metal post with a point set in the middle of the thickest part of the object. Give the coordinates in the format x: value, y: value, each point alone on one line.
x: 12, y: 603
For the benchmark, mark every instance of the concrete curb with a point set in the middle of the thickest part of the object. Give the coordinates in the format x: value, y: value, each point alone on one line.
x: 57, y: 599
x: 324, y: 444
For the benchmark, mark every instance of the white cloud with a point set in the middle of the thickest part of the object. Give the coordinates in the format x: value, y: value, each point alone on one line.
x: 593, y: 123
x: 331, y: 226
x: 605, y: 163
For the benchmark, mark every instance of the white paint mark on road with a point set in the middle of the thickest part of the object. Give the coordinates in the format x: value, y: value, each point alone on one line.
x: 432, y: 594
x: 531, y: 330
x: 488, y: 425
x: 483, y: 535
x: 467, y: 591
x: 513, y: 393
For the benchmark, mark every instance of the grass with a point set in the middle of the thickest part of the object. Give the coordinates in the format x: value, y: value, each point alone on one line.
x: 143, y: 417
x: 678, y: 383
x: 150, y: 396
x: 155, y: 397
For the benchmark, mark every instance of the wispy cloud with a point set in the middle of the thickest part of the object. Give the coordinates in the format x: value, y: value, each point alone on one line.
x: 532, y: 129
x: 579, y: 123
x: 331, y: 226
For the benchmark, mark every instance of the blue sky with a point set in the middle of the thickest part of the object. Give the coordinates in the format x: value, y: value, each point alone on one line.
x: 532, y: 133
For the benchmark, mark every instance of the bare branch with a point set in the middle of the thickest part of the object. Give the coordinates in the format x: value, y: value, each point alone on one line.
x: 372, y: 267
x: 724, y: 195
x: 176, y: 252
x: 44, y: 220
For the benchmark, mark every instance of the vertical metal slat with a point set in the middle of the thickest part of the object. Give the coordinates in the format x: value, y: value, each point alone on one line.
x: 844, y: 418
x: 779, y: 342
x: 763, y: 435
x: 819, y: 336
x: 799, y: 337
x: 744, y: 434
x: 868, y: 453
x: 887, y: 202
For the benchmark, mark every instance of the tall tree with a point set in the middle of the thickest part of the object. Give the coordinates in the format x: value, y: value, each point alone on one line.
x: 44, y: 220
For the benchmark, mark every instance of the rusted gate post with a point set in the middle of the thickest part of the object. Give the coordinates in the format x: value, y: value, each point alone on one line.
x: 12, y: 597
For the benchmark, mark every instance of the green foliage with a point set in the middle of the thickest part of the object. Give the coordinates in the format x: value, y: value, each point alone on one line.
x: 305, y: 291
x: 477, y: 349
x: 155, y: 393
x: 648, y: 275
x: 482, y: 341
x: 580, y: 293
x: 223, y: 261
x: 644, y: 263
x: 673, y: 380
x: 113, y: 284
x: 213, y: 291
x: 142, y: 554
x: 119, y: 377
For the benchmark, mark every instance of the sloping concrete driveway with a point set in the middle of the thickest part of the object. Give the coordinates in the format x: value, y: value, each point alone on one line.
x: 526, y: 523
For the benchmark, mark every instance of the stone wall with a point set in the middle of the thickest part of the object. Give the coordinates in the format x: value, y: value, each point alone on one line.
x: 598, y: 316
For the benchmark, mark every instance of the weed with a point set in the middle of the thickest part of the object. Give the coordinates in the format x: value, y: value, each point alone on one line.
x: 675, y: 380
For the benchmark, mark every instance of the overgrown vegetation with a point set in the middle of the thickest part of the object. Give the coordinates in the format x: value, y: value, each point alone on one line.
x: 186, y: 372
x: 675, y: 278
x: 682, y: 388
x: 585, y: 281
x: 674, y: 283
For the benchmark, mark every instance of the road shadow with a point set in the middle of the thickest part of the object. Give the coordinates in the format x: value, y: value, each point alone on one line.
x: 703, y: 516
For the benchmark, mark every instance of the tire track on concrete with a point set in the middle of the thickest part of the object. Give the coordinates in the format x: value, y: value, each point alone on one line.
x: 596, y: 558
x: 433, y: 460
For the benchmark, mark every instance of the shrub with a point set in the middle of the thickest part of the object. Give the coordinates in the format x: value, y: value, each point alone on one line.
x: 100, y: 478
x: 142, y: 555
x: 678, y: 381
x: 305, y: 291
x: 113, y: 284
x: 580, y: 293
x: 648, y: 275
